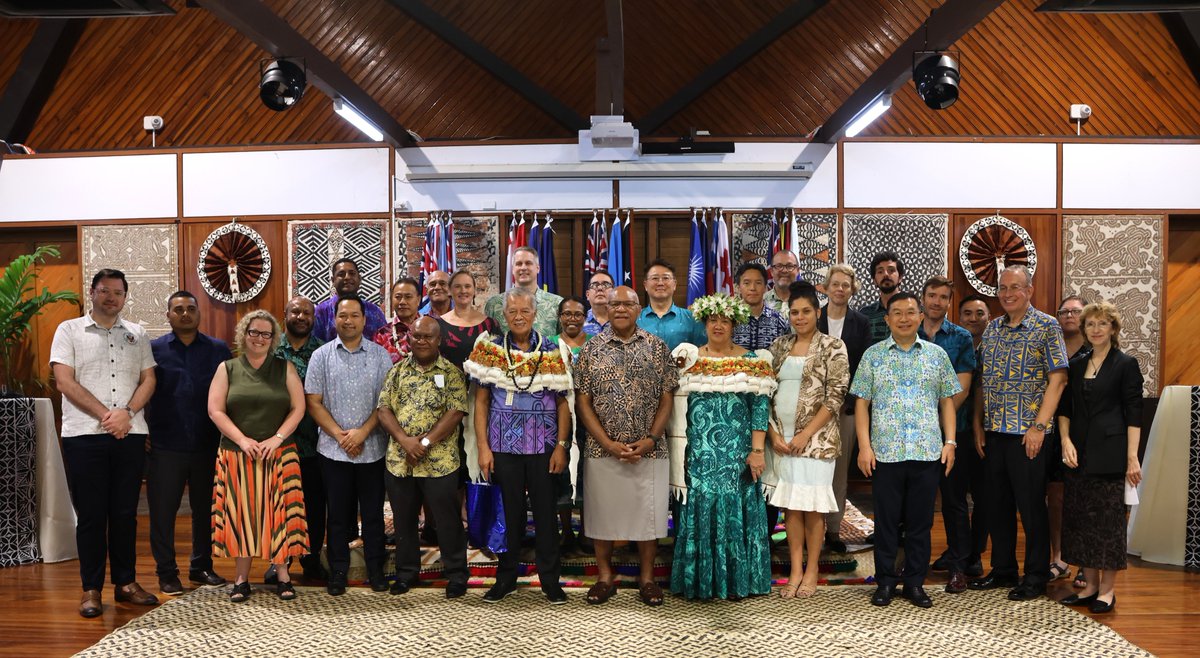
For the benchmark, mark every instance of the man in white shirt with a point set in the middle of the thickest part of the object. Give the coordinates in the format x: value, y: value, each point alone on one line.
x: 104, y: 368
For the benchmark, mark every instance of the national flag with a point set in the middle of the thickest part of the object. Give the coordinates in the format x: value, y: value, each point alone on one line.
x: 602, y: 243
x: 429, y: 254
x: 451, y: 263
x: 724, y: 278
x: 508, y: 265
x: 548, y: 275
x: 616, y: 245
x: 775, y: 232
x: 627, y: 252
x: 695, y: 284
x: 710, y: 255
x: 794, y: 238
x: 591, y: 249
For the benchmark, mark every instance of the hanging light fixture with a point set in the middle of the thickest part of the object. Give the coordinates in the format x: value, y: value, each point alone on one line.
x: 936, y: 76
x: 281, y: 84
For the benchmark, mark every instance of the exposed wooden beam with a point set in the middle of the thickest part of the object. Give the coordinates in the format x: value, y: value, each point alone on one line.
x: 272, y: 33
x: 1184, y: 29
x: 492, y: 63
x: 946, y: 25
x: 610, y: 62
x: 31, y: 84
x: 790, y: 17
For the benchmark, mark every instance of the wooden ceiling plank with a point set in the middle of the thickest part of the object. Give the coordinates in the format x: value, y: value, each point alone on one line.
x: 790, y: 17
x: 490, y: 62
x: 31, y: 84
x: 273, y: 34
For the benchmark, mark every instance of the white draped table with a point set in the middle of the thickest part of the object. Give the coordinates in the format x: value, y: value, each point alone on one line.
x: 1165, y: 526
x: 56, y: 516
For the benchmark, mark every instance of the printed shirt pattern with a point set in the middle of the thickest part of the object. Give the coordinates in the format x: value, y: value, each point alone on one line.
x: 418, y: 402
x: 758, y: 333
x: 1016, y: 363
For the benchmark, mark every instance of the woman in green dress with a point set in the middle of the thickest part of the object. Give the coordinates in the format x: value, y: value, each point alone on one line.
x: 721, y: 544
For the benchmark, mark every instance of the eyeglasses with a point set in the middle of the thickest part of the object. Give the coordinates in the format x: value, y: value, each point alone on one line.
x: 255, y: 333
x: 572, y: 314
x: 1070, y: 312
x: 786, y: 267
x: 622, y: 304
x: 600, y: 285
x: 110, y: 291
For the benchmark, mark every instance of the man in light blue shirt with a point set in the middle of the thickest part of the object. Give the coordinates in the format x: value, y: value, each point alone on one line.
x: 342, y: 389
x: 904, y: 386
x: 661, y: 316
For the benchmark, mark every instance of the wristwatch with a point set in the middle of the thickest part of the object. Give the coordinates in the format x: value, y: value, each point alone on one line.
x: 952, y: 443
x: 1041, y: 427
x: 758, y: 451
x: 425, y: 441
x: 279, y: 436
x: 129, y: 411
x: 562, y: 444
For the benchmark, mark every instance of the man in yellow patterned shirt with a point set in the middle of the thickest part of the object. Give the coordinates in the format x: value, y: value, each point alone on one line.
x: 421, y: 407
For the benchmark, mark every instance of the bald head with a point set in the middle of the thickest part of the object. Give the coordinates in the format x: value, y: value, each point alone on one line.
x: 623, y: 309
x: 424, y: 339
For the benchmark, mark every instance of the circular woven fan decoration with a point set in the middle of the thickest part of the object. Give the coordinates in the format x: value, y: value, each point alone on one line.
x: 234, y: 264
x: 990, y: 245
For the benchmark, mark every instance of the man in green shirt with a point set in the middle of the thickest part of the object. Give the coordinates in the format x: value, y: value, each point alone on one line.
x: 525, y: 273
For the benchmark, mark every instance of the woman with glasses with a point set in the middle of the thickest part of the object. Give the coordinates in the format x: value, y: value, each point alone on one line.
x: 1068, y: 318
x: 1100, y: 420
x: 257, y: 400
x: 465, y: 322
x: 571, y: 316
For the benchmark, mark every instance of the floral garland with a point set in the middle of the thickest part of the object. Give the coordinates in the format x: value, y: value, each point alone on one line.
x: 722, y: 305
x: 489, y: 364
x: 736, y: 374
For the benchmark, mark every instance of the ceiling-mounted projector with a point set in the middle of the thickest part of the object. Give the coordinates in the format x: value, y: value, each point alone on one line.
x: 610, y: 138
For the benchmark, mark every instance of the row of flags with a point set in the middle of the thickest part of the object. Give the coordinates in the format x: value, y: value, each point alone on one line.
x: 541, y: 238
x: 784, y: 232
x: 439, y: 252
x: 710, y: 266
x: 609, y: 248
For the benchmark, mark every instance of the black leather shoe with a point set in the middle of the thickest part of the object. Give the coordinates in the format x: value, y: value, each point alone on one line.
x: 992, y: 581
x: 170, y: 586
x: 871, y: 539
x: 376, y: 580
x: 270, y: 577
x: 311, y: 564
x: 1080, y: 601
x: 399, y: 587
x: 834, y: 544
x: 555, y: 595
x: 206, y: 577
x: 337, y: 583
x: 940, y: 564
x: 957, y: 584
x: 974, y: 569
x: 917, y: 596
x: 1100, y: 607
x: 1026, y: 592
x: 456, y: 590
x: 883, y: 595
x: 498, y: 592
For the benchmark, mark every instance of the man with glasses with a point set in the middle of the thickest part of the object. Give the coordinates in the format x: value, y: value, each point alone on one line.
x: 765, y: 323
x: 104, y: 368
x: 525, y: 271
x: 346, y: 282
x: 784, y: 270
x: 1023, y: 364
x: 597, y: 297
x: 887, y: 271
x: 904, y: 386
x: 437, y: 289
x: 662, y: 318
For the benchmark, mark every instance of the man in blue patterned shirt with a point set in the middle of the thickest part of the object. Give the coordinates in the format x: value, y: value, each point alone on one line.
x: 765, y: 323
x: 904, y: 386
x: 1023, y: 365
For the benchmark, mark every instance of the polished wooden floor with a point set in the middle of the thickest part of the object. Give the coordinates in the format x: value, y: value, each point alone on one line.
x: 1158, y: 608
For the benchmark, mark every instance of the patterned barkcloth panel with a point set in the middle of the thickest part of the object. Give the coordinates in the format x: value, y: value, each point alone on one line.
x: 18, y: 485
x: 315, y: 246
x: 817, y: 244
x: 1191, y: 547
x: 149, y: 256
x: 1119, y: 258
x: 477, y: 242
x: 920, y: 240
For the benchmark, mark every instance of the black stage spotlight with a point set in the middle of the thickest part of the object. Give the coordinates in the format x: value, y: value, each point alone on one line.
x: 282, y: 84
x: 936, y: 77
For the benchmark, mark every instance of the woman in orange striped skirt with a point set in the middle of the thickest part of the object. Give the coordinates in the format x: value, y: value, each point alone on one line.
x: 257, y: 400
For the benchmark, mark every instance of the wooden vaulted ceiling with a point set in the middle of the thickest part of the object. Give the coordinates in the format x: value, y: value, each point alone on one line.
x: 1021, y: 70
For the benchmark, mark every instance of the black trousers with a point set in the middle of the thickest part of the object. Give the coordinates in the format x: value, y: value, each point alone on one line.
x: 1017, y: 484
x: 168, y: 473
x: 440, y: 495
x: 316, y: 507
x: 104, y: 476
x: 904, y: 494
x: 516, y: 475
x: 353, y: 490
x: 966, y: 530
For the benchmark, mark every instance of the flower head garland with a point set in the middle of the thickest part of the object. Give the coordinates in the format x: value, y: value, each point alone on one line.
x: 722, y: 305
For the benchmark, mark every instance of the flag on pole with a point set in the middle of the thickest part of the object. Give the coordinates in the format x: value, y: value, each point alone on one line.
x: 512, y: 237
x: 591, y: 249
x: 794, y: 238
x: 451, y: 263
x: 535, y: 241
x: 627, y: 252
x: 695, y: 285
x: 616, y: 252
x: 724, y: 279
x: 548, y: 275
x: 429, y: 254
x: 710, y: 254
x: 775, y: 233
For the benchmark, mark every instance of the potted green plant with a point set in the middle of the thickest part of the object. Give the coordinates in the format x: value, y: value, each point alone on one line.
x: 18, y: 306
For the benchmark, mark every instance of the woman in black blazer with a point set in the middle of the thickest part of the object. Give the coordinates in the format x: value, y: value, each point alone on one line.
x: 1100, y: 420
x: 853, y: 328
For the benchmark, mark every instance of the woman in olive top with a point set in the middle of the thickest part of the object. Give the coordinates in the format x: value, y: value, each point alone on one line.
x: 257, y: 400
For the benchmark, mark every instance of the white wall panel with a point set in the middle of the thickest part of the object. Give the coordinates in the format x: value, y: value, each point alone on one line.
x: 1135, y: 176
x: 100, y: 187
x: 504, y: 195
x: 949, y: 175
x: 299, y: 182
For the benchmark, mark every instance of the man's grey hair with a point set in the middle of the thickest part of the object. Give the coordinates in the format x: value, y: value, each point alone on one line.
x: 513, y: 293
x: 1019, y: 269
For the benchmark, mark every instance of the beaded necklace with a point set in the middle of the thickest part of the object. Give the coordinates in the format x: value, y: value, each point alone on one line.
x: 534, y: 341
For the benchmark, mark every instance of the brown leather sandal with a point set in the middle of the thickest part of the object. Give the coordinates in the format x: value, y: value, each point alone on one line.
x: 651, y: 594
x: 600, y: 592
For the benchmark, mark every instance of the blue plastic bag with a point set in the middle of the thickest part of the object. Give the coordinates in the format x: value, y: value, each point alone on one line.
x: 485, y: 517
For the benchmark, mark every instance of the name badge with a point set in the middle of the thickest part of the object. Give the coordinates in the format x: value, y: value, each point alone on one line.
x: 439, y: 381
